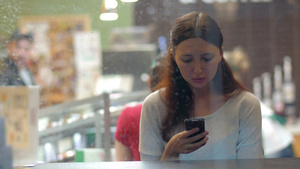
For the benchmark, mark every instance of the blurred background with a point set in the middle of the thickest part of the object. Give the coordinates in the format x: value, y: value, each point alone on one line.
x: 91, y: 58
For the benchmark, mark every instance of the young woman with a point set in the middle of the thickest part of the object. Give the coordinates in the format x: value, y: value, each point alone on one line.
x: 199, y: 83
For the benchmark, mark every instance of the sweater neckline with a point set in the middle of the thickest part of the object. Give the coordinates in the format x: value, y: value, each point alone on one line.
x: 223, y: 107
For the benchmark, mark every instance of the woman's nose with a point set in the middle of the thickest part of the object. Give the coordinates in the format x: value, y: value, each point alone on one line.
x: 197, y: 68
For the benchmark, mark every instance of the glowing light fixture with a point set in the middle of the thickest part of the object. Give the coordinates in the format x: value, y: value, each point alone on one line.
x: 109, y: 11
x: 109, y: 16
x: 110, y: 4
x: 129, y: 0
x: 188, y: 1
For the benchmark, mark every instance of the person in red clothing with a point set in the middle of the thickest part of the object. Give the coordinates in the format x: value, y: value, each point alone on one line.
x: 127, y: 132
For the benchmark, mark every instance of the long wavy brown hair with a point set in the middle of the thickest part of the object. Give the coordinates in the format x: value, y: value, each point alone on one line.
x: 178, y: 94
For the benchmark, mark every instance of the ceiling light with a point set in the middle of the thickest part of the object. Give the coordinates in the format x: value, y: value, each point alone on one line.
x: 109, y: 11
x: 188, y: 1
x: 109, y: 16
x: 129, y: 0
x: 110, y: 4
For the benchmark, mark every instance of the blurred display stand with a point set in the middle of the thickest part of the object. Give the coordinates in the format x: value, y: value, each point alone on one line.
x: 128, y: 59
x: 113, y: 83
x: 20, y: 108
x: 130, y: 36
x: 128, y: 65
x: 79, y: 128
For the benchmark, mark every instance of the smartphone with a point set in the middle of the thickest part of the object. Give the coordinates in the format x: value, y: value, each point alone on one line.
x: 193, y: 123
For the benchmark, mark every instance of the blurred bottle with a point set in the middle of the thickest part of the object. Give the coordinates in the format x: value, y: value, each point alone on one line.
x: 289, y: 91
x: 277, y: 98
x: 257, y: 87
x: 267, y: 89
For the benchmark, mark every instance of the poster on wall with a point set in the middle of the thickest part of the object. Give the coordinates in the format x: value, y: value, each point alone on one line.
x: 87, y: 49
x: 20, y: 107
x: 88, y: 57
x: 41, y: 43
x: 15, y: 110
x: 53, y: 63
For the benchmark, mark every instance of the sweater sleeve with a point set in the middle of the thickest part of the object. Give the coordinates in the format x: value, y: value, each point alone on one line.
x: 151, y: 144
x: 249, y: 143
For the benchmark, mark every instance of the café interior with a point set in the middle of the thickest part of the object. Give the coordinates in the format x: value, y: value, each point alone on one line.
x: 91, y: 59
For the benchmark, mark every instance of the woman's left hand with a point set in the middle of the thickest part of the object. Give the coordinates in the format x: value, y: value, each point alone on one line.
x: 181, y: 143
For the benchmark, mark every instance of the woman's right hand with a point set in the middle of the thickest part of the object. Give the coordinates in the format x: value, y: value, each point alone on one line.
x: 181, y: 143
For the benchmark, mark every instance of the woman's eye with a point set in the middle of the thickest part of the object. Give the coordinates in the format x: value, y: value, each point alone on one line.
x: 207, y: 59
x: 186, y: 60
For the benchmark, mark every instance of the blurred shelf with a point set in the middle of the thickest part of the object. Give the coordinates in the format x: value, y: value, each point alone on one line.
x: 89, y: 122
x: 104, y: 109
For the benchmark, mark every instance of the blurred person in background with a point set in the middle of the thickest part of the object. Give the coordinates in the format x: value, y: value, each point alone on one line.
x: 127, y: 132
x: 14, y: 69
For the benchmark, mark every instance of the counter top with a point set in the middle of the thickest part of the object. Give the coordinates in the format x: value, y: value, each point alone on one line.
x: 278, y: 163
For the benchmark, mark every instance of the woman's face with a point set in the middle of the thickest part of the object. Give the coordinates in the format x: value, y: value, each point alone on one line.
x: 197, y: 61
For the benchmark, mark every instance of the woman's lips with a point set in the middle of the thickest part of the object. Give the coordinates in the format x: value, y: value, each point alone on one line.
x: 198, y: 80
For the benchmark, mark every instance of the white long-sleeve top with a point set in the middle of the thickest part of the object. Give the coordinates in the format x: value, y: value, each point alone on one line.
x: 234, y: 130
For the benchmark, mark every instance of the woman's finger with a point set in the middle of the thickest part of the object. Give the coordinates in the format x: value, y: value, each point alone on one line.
x: 190, y: 147
x: 197, y: 137
x: 190, y: 132
x: 201, y: 143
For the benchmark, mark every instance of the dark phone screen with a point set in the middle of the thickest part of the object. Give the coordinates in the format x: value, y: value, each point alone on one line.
x: 193, y: 123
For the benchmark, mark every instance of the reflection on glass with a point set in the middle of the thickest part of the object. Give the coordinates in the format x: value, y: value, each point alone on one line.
x: 123, y: 49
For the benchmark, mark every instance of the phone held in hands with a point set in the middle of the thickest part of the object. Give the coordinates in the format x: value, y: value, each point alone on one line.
x: 193, y: 123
